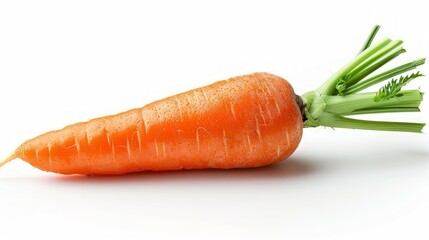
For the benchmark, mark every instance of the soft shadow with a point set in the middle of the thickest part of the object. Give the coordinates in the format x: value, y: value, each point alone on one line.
x: 384, y: 157
x: 290, y: 168
x: 374, y: 158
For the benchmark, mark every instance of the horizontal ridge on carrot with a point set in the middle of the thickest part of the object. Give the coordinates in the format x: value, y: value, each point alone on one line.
x: 246, y: 121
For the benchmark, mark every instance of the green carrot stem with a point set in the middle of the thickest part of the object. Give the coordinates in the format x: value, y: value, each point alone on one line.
x: 350, y: 103
x: 336, y: 121
x: 370, y: 38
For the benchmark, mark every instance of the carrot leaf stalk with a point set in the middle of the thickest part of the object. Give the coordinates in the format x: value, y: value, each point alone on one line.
x: 370, y: 38
x: 343, y: 93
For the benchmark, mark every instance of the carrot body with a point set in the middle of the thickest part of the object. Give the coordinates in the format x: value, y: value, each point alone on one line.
x: 246, y: 121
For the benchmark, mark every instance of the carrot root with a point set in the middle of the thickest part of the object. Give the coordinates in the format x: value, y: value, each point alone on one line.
x: 8, y: 159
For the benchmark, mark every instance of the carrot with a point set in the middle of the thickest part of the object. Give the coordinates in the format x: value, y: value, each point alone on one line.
x: 246, y: 121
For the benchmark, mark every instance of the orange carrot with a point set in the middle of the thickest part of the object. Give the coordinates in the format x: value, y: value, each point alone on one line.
x: 246, y: 121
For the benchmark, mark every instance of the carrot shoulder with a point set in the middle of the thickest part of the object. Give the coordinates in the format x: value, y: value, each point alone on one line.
x: 246, y: 121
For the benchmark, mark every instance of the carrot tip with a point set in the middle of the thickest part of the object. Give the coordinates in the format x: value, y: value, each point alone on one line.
x: 8, y: 159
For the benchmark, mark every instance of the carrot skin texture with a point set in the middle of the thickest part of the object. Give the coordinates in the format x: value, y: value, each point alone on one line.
x: 246, y: 121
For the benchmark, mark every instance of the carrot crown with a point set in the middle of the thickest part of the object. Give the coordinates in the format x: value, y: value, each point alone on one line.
x: 342, y: 94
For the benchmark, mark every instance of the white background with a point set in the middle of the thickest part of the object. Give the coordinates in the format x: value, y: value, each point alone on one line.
x: 67, y: 61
